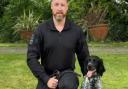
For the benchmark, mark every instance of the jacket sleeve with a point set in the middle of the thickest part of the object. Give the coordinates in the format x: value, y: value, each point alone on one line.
x: 33, y: 55
x: 82, y: 52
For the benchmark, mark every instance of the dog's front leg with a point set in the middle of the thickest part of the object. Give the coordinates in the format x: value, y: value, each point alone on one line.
x: 85, y: 84
x: 99, y: 84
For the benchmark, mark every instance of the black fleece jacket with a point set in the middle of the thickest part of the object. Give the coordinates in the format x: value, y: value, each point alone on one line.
x: 56, y: 49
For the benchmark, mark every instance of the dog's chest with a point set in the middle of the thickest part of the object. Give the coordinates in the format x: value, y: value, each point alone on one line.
x: 92, y: 83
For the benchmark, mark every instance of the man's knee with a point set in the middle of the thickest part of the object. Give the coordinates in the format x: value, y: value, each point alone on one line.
x: 67, y: 85
x: 41, y: 85
x: 68, y: 81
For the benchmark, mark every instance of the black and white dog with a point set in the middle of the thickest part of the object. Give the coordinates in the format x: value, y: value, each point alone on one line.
x: 94, y: 63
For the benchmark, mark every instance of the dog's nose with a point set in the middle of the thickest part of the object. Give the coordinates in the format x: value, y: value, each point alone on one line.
x: 90, y: 66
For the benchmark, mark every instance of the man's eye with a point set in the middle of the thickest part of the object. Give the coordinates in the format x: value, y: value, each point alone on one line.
x: 62, y: 4
x: 56, y: 4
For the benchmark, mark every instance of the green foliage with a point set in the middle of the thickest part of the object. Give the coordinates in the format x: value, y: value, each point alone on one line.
x: 26, y: 22
x: 117, y: 15
x: 75, y: 10
x: 97, y: 12
x: 14, y: 12
x: 118, y: 18
x: 6, y: 30
x: 41, y: 8
x: 3, y: 4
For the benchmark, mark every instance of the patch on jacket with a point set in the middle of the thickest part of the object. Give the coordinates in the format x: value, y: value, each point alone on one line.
x: 33, y: 40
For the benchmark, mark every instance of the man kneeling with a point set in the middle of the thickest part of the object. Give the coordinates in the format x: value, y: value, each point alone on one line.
x: 55, y: 43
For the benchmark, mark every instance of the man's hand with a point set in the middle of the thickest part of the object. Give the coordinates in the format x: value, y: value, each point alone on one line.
x: 52, y: 83
x: 90, y: 73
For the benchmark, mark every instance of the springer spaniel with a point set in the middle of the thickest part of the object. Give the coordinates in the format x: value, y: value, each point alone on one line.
x: 95, y: 64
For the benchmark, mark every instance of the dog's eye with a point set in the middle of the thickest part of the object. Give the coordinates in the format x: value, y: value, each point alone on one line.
x: 89, y: 59
x: 94, y: 60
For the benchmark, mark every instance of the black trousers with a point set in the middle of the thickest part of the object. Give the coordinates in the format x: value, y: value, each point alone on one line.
x: 67, y: 80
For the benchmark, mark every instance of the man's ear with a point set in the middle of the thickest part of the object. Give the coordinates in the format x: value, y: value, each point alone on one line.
x: 51, y: 5
x: 68, y: 6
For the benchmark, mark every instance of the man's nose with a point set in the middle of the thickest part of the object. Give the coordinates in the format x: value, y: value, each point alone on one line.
x: 59, y: 7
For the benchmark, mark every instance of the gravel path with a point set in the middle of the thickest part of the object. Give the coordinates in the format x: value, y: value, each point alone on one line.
x: 93, y: 50
x: 11, y: 50
x: 109, y: 50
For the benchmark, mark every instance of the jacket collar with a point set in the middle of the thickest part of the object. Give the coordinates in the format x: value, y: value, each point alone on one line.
x: 52, y: 25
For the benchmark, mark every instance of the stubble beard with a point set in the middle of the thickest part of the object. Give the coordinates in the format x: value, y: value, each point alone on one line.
x: 59, y: 17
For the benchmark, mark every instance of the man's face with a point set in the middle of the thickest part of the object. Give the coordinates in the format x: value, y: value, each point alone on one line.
x: 59, y: 9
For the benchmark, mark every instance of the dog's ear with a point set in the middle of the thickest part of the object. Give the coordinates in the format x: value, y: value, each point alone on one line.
x: 86, y: 64
x: 101, y: 68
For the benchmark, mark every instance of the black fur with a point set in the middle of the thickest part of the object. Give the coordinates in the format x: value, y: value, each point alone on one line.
x: 94, y: 62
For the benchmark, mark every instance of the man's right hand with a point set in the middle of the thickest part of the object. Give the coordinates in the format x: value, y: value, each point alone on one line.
x: 52, y: 83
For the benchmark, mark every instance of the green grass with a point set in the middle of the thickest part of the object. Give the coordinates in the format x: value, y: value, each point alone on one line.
x: 116, y: 71
x: 14, y: 73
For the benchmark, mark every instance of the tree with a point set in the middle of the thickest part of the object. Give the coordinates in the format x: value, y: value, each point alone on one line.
x: 118, y: 18
x: 15, y: 9
x: 3, y: 4
x: 10, y: 10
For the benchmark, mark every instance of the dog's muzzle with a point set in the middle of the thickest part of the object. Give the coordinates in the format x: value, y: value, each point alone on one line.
x: 91, y: 67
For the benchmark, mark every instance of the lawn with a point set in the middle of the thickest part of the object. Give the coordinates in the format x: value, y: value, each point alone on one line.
x: 14, y: 73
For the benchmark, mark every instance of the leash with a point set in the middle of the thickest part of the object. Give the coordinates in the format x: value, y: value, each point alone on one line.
x: 69, y: 71
x: 56, y: 74
x: 59, y: 74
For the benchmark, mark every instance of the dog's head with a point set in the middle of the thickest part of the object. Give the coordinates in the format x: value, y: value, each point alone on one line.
x: 96, y: 63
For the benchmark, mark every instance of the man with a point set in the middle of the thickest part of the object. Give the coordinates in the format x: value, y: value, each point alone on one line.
x: 56, y: 41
